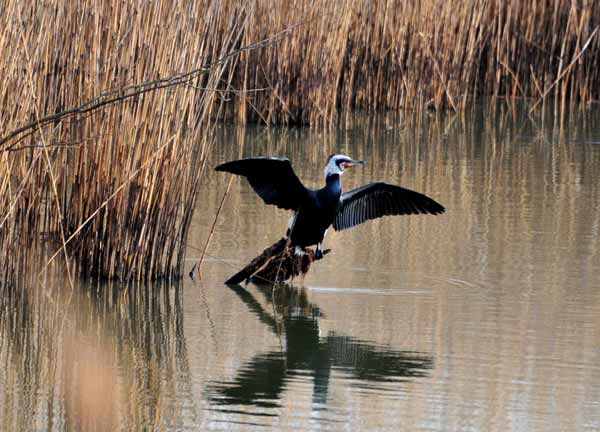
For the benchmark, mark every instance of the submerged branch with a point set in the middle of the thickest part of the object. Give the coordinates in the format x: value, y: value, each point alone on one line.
x: 277, y: 263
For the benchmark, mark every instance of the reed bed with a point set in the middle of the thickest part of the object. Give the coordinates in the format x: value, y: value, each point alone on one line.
x: 398, y: 54
x: 110, y: 191
x: 109, y: 187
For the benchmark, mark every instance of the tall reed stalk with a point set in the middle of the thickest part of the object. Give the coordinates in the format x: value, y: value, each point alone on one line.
x: 110, y: 191
x: 410, y: 54
x: 111, y: 188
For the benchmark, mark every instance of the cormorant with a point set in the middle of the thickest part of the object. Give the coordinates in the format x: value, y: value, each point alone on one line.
x: 274, y: 180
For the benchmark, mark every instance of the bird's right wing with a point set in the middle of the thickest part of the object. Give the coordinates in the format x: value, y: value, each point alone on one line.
x: 375, y: 200
x: 273, y: 179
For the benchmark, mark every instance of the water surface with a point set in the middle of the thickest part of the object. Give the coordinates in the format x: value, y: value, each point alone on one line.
x: 484, y: 318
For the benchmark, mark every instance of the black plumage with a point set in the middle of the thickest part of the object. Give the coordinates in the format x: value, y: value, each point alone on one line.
x: 274, y: 180
x: 379, y: 199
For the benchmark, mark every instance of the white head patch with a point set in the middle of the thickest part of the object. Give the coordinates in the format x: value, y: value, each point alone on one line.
x: 334, y: 164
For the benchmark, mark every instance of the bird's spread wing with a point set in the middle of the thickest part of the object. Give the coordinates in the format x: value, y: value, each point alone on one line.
x: 381, y: 199
x: 273, y: 179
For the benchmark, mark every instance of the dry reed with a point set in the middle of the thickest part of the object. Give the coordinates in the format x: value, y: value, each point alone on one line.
x: 114, y: 186
x: 111, y: 189
x: 398, y: 54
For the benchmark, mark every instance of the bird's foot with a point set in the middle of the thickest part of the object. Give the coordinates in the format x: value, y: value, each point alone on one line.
x: 299, y: 251
x: 320, y: 254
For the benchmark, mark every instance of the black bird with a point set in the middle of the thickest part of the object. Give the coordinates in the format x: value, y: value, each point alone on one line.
x: 274, y: 180
x: 262, y: 380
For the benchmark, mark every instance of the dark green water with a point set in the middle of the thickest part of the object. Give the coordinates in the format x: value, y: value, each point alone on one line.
x: 486, y: 318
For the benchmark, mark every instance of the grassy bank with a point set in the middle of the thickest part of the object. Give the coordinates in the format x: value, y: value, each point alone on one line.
x: 109, y: 187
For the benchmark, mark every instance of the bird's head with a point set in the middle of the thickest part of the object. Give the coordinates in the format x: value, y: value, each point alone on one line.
x: 336, y: 164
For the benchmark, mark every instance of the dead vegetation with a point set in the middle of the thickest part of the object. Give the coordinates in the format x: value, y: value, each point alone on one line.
x: 108, y: 107
x: 397, y: 54
x: 110, y: 190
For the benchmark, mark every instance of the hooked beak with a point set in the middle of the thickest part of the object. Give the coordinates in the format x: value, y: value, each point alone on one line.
x: 354, y: 162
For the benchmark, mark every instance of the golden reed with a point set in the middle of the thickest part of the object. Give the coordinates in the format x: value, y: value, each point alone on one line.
x: 110, y: 189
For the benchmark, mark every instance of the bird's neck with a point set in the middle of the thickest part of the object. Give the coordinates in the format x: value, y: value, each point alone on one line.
x: 333, y: 183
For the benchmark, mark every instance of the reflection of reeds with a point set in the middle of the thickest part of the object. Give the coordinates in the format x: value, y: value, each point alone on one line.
x: 94, y: 359
x: 481, y: 166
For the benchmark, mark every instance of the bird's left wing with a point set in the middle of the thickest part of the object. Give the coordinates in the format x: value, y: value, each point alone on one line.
x: 273, y: 179
x: 375, y: 200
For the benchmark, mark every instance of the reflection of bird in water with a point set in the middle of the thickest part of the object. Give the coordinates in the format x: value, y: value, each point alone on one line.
x: 275, y: 182
x: 261, y: 380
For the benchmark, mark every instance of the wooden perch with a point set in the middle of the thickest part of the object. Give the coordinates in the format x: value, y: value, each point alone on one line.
x: 277, y: 263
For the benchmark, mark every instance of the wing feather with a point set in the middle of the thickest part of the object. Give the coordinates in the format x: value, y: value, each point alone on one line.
x: 273, y: 179
x: 375, y: 200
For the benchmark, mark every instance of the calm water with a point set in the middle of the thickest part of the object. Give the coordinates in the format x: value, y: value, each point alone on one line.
x: 486, y: 318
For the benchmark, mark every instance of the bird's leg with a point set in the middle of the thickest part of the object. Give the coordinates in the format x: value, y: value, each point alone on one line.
x: 291, y: 223
x: 318, y: 252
